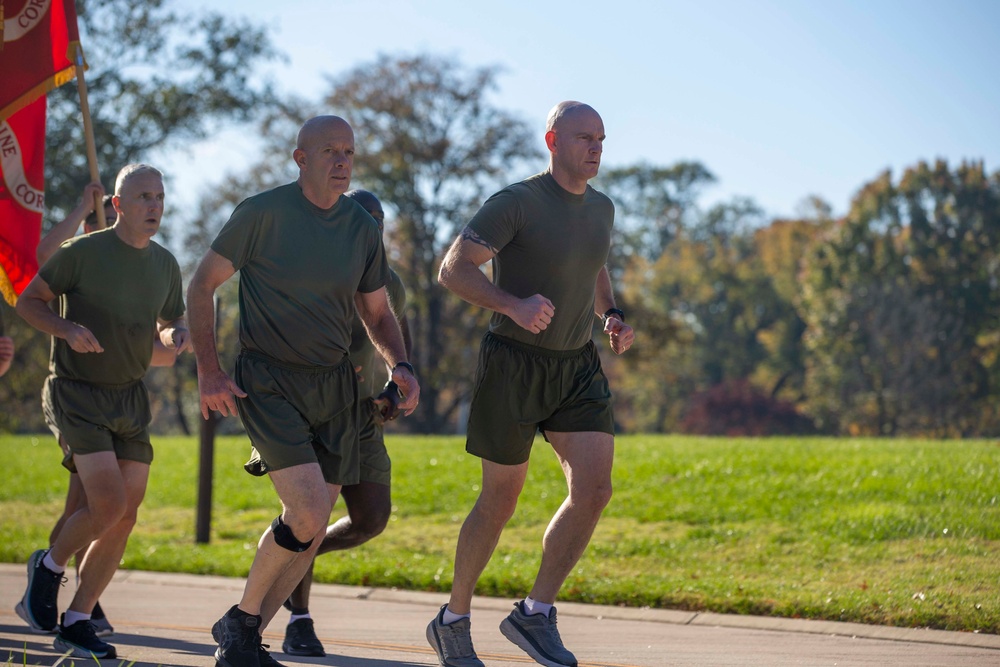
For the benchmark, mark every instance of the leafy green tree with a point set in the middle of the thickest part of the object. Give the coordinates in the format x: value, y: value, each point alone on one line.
x: 901, y: 306
x: 157, y: 77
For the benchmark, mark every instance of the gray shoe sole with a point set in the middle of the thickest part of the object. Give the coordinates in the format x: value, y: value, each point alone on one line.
x: 519, y: 639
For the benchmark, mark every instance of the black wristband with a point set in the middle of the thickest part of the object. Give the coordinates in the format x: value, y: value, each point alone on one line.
x: 614, y: 311
x: 407, y: 365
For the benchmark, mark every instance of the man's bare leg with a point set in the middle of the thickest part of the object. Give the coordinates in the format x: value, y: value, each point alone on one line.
x: 586, y: 460
x: 306, y: 509
x: 481, y: 531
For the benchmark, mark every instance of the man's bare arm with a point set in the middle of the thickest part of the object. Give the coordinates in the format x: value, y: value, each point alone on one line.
x: 217, y: 389
x: 460, y: 274
x: 67, y: 229
x: 33, y: 306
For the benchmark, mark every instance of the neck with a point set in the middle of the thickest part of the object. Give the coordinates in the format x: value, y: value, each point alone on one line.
x: 577, y: 186
x: 136, y: 241
x: 324, y: 199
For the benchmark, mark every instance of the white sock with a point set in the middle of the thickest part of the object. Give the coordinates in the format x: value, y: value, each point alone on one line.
x: 295, y: 617
x: 449, y: 617
x: 71, y: 617
x: 532, y: 607
x: 51, y: 564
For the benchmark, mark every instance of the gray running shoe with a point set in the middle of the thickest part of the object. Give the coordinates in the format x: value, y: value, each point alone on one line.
x: 536, y: 635
x: 453, y: 642
x: 102, y: 626
x: 80, y: 641
x: 301, y: 639
x: 38, y: 606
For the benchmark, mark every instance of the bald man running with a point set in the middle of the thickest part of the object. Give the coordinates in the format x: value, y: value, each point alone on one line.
x: 548, y: 238
x: 307, y: 256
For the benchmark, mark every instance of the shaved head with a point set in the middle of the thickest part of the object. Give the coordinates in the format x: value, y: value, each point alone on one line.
x: 565, y: 110
x: 317, y: 127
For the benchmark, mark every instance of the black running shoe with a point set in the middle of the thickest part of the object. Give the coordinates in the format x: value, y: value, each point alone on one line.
x: 265, y: 658
x: 102, y: 626
x: 38, y: 607
x: 238, y: 635
x: 301, y: 639
x: 81, y: 641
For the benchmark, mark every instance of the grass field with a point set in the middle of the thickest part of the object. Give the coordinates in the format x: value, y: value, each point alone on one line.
x: 894, y: 532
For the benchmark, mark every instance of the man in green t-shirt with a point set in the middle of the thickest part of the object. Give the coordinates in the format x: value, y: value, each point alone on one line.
x: 368, y: 502
x: 548, y: 239
x: 101, y: 350
x: 307, y: 257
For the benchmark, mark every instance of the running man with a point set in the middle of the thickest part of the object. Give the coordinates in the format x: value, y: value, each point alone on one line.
x: 548, y: 238
x: 307, y: 257
x: 95, y: 394
x: 76, y: 497
x: 368, y: 502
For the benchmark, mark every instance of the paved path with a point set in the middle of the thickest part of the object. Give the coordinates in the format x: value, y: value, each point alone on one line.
x: 164, y: 619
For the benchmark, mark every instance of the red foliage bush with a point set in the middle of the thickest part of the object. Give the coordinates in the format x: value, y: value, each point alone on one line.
x: 738, y: 408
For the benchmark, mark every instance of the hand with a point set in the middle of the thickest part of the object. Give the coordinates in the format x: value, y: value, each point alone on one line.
x: 387, y: 402
x: 176, y: 338
x: 6, y: 353
x: 6, y: 348
x: 409, y: 389
x: 93, y: 193
x: 80, y: 339
x: 218, y: 392
x: 621, y: 334
x: 533, y: 314
x: 357, y: 372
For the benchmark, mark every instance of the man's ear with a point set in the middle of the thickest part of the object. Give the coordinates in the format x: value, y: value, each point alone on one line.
x: 550, y: 139
x: 299, y: 156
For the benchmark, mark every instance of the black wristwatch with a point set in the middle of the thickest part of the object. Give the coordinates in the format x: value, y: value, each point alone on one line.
x: 614, y: 311
x: 407, y: 365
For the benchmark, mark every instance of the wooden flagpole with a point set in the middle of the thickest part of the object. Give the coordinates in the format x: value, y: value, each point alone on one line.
x: 88, y: 134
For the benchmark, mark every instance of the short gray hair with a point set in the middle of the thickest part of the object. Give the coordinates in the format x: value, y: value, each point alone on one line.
x: 130, y: 170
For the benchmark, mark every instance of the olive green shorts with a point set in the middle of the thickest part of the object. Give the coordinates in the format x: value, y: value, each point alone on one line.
x: 375, y: 464
x: 296, y: 415
x: 96, y: 418
x: 520, y: 389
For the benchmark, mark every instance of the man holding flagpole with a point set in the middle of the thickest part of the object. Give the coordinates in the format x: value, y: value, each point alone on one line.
x: 95, y: 394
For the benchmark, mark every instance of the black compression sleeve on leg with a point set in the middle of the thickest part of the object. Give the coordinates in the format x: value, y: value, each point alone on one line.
x: 285, y: 539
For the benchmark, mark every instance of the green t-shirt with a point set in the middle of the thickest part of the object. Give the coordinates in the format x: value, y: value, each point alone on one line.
x: 362, y: 352
x: 550, y: 242
x: 300, y: 267
x: 118, y: 292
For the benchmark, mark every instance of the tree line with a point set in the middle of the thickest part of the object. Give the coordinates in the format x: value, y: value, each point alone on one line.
x: 879, y: 322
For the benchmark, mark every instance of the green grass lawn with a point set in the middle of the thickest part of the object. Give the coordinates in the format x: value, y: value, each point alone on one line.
x: 895, y: 532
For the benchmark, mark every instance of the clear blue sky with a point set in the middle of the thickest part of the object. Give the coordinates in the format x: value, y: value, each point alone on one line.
x: 780, y: 99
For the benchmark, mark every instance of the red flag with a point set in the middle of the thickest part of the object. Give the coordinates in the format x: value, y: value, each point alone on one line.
x: 38, y: 52
x: 22, y: 196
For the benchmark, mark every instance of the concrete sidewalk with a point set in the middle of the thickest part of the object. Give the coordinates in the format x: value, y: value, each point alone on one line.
x: 164, y: 619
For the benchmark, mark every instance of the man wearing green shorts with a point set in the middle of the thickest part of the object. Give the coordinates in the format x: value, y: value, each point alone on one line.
x: 368, y: 502
x: 307, y: 257
x: 95, y: 396
x: 76, y: 498
x: 548, y: 238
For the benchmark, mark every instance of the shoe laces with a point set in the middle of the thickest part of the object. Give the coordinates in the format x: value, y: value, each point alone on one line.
x: 88, y: 633
x: 458, y: 642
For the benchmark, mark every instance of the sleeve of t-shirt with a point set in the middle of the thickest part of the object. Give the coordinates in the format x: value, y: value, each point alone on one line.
x: 173, y: 306
x: 498, y: 220
x: 62, y: 270
x: 238, y: 240
x: 376, y: 273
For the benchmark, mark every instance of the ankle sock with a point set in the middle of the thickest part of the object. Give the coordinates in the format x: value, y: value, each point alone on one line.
x: 294, y: 617
x: 71, y: 617
x: 532, y: 607
x: 51, y: 565
x: 449, y: 617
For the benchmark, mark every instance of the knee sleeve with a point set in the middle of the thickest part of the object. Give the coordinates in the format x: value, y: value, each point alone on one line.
x: 285, y: 539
